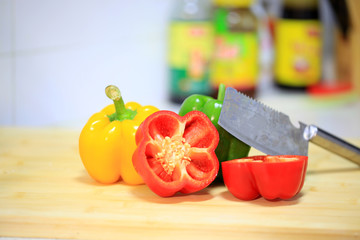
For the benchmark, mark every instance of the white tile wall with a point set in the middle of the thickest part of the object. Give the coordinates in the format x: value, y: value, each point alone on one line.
x: 6, y: 90
x: 6, y: 62
x: 6, y: 24
x: 56, y: 57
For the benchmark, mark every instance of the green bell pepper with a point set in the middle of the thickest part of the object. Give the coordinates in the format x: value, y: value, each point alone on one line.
x: 229, y: 147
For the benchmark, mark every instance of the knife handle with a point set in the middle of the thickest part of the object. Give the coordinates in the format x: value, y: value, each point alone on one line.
x: 332, y: 143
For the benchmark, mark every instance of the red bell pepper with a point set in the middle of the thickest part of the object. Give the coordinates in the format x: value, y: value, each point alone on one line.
x: 273, y: 177
x: 176, y: 154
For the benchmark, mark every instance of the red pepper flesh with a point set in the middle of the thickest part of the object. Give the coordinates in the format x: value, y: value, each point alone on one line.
x: 176, y: 154
x: 273, y: 177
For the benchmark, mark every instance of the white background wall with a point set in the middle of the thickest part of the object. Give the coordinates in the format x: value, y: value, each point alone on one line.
x: 56, y: 58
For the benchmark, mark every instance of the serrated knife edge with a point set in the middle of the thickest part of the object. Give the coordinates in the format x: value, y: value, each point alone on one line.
x: 277, y: 135
x: 254, y: 119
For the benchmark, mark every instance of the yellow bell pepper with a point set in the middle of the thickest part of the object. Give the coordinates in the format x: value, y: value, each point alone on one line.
x: 107, y: 141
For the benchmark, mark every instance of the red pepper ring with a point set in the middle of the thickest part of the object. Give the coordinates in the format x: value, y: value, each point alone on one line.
x: 273, y: 177
x: 176, y: 154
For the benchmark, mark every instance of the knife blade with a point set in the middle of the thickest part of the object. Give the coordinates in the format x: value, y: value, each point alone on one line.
x: 273, y: 133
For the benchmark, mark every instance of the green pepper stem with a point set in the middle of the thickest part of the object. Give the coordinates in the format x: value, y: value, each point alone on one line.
x: 221, y: 92
x: 114, y: 94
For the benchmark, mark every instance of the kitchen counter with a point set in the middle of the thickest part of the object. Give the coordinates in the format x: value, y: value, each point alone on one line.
x: 46, y: 193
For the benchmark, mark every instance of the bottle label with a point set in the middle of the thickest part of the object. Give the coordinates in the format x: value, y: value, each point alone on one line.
x: 298, y: 52
x: 190, y: 49
x: 235, y: 60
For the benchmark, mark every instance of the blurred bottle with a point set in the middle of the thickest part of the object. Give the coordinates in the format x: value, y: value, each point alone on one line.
x: 235, y: 58
x: 190, y: 49
x: 298, y: 45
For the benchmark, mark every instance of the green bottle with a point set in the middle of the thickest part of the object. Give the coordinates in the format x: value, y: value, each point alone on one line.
x: 236, y: 48
x: 190, y: 48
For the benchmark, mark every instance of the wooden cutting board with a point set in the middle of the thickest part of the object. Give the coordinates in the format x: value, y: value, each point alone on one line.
x: 45, y: 192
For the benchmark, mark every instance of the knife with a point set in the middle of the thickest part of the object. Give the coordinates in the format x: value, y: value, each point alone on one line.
x: 273, y: 133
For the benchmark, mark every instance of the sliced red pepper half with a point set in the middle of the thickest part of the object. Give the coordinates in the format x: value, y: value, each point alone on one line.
x: 176, y: 154
x: 273, y: 177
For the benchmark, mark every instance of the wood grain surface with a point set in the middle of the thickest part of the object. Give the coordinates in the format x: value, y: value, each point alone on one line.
x: 45, y: 192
